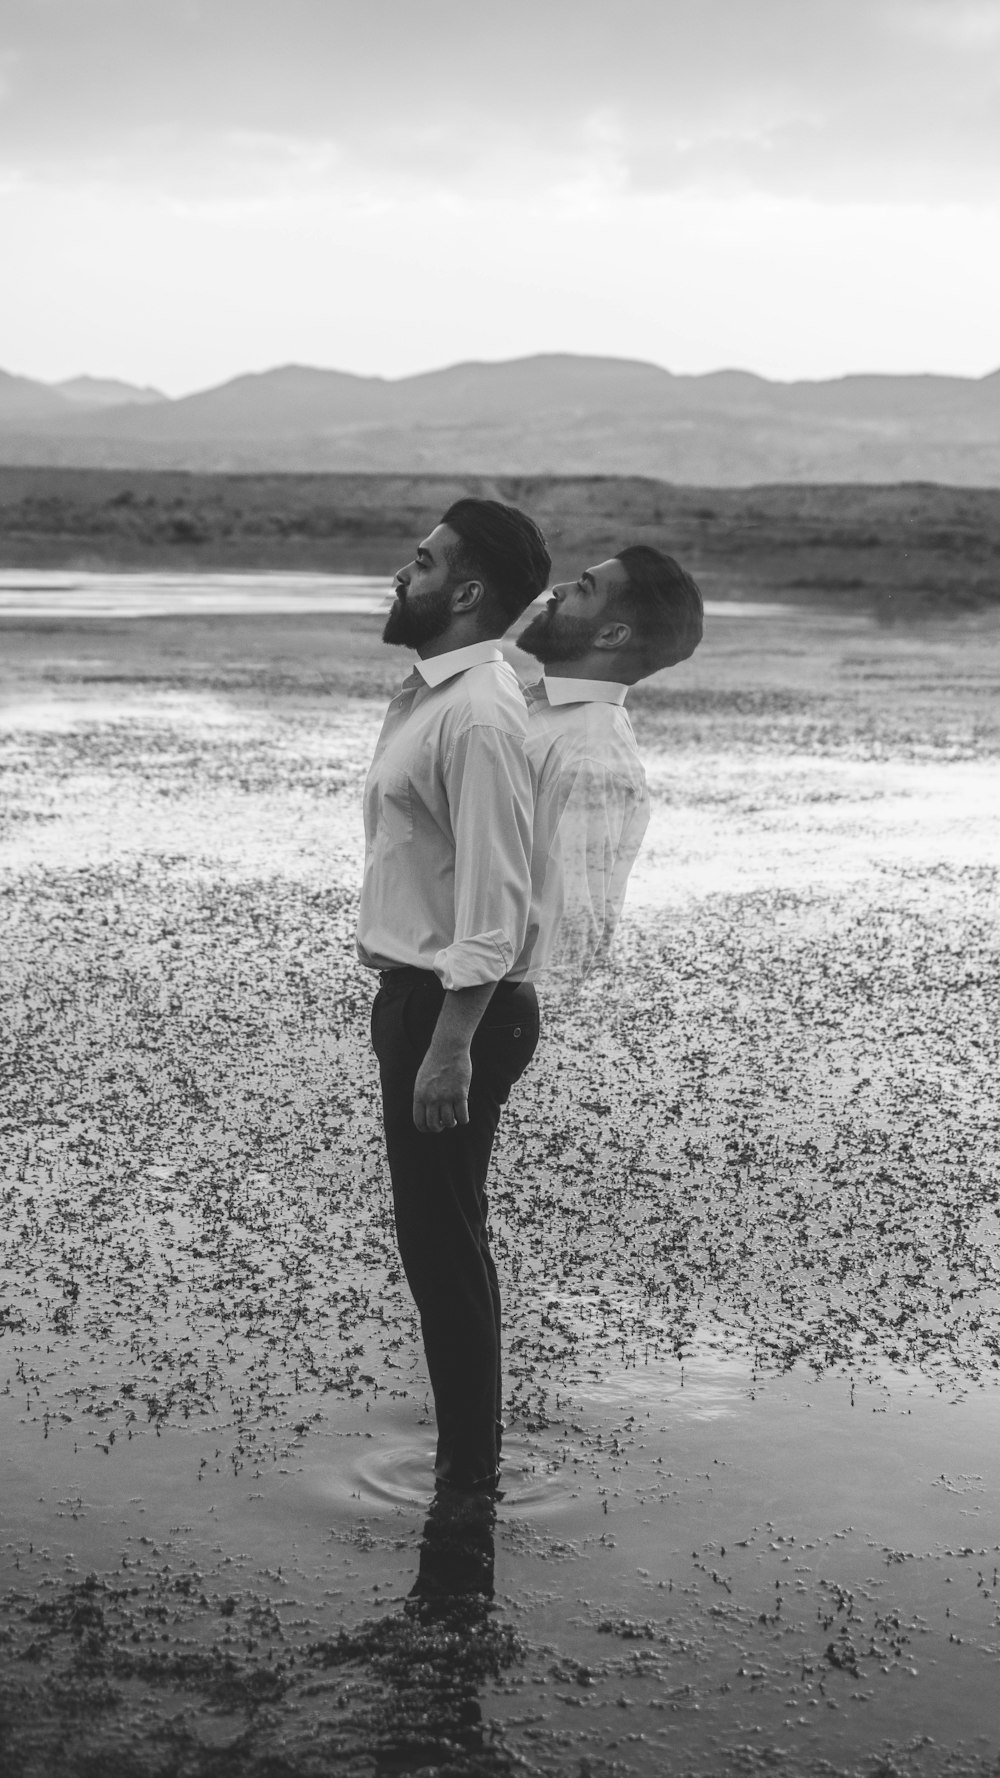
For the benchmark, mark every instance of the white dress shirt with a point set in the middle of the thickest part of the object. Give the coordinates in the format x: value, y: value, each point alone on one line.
x: 591, y: 812
x: 447, y: 878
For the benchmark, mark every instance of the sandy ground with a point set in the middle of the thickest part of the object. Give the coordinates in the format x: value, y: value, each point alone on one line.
x: 745, y: 1205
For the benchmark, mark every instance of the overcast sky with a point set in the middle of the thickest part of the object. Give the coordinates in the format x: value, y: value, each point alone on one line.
x: 193, y: 188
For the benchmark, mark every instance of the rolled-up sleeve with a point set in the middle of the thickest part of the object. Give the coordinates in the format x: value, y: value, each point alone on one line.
x: 488, y: 787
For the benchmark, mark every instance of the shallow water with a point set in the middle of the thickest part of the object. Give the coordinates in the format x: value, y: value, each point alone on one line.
x: 745, y: 1208
x: 778, y: 1563
x: 78, y: 593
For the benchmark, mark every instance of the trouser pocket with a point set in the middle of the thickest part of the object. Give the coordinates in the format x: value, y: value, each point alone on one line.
x: 507, y: 1038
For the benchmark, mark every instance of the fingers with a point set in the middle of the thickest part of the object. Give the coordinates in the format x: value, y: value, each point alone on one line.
x: 433, y: 1116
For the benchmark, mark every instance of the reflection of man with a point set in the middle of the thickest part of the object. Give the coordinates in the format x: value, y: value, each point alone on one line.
x: 443, y: 915
x: 618, y: 622
x: 441, y: 1649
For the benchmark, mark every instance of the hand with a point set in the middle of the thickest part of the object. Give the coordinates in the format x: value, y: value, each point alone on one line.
x: 441, y: 1090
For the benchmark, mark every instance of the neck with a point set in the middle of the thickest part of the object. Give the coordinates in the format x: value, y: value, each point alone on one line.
x: 589, y: 666
x: 451, y: 639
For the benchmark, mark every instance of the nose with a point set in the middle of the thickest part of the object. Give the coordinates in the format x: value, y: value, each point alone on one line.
x: 558, y: 593
x: 401, y: 578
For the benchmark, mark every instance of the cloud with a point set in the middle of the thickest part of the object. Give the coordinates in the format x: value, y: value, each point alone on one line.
x: 954, y: 25
x: 8, y: 68
x: 837, y: 98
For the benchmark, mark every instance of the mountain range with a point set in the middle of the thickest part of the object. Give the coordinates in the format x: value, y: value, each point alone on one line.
x: 552, y: 414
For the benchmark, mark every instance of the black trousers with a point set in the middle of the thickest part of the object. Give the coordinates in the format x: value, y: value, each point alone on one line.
x: 440, y: 1204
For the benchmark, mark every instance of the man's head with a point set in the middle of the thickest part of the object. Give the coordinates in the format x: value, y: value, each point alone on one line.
x: 621, y: 620
x: 470, y: 578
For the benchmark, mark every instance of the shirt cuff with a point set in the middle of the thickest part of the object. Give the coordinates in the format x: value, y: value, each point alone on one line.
x: 470, y: 962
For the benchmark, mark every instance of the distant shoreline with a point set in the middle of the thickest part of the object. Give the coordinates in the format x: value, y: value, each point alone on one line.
x: 35, y: 594
x: 905, y: 550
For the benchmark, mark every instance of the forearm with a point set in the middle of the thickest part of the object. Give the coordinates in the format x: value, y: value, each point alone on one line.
x: 461, y: 1011
x: 444, y: 1078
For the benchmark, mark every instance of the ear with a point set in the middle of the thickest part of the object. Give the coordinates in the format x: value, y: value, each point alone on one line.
x: 468, y: 596
x: 615, y: 635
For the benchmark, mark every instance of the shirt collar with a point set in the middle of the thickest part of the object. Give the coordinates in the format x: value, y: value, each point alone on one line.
x: 444, y: 666
x: 583, y: 691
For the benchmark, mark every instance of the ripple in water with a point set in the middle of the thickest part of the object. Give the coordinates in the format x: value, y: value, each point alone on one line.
x: 387, y: 1473
x: 400, y: 1473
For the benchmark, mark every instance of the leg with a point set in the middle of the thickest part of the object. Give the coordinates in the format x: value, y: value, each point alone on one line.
x: 439, y: 1199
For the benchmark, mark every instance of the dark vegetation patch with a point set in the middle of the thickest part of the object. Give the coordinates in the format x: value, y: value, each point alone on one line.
x: 800, y: 1149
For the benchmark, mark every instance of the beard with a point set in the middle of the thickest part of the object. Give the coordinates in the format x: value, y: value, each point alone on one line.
x: 552, y: 638
x: 411, y: 624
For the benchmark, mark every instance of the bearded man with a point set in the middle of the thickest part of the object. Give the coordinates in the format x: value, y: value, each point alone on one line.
x: 629, y: 616
x: 442, y: 919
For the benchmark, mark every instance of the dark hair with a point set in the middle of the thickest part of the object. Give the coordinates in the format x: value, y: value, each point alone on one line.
x: 503, y: 548
x: 663, y: 604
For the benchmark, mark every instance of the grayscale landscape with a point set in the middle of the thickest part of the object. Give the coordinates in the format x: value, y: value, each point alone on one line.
x: 281, y: 283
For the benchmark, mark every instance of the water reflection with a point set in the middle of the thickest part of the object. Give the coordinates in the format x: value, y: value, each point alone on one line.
x: 25, y: 593
x: 434, y: 1656
x: 456, y: 1554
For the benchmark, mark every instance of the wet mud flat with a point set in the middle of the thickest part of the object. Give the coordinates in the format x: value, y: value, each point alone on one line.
x: 745, y: 1207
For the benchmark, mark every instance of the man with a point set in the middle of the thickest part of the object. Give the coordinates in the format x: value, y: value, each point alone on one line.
x: 620, y: 621
x: 443, y: 916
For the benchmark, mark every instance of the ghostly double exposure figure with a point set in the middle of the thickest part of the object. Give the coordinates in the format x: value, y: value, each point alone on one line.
x: 620, y: 621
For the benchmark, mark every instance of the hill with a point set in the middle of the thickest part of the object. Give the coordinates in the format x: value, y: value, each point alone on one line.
x: 104, y: 392
x: 25, y: 402
x: 550, y: 415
